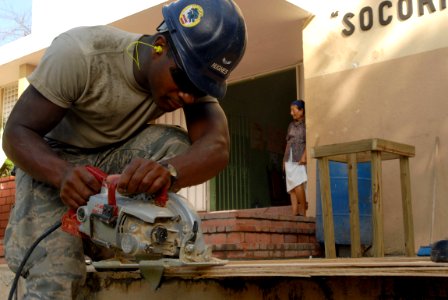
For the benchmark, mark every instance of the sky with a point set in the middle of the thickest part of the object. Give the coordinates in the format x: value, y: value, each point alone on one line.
x: 18, y: 7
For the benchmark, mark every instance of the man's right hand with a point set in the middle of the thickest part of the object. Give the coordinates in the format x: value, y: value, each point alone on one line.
x: 77, y: 185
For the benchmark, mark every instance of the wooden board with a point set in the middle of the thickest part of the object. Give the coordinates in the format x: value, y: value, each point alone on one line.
x: 397, y: 266
x: 391, y: 150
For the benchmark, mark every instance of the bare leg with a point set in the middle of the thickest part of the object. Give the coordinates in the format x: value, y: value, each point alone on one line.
x: 294, y: 204
x: 299, y: 192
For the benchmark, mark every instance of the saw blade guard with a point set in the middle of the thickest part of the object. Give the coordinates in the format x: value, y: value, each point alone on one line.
x: 139, y: 229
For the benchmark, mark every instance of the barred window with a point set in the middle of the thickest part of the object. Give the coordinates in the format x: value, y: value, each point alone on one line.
x: 10, y: 96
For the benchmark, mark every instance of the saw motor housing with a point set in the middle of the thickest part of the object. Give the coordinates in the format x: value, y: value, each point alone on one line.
x: 141, y: 230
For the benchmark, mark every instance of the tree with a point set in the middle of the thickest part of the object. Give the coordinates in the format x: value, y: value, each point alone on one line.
x: 13, y: 22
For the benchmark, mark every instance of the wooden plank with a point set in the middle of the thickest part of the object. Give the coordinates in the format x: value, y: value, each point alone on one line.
x: 407, y: 206
x: 363, y: 157
x: 396, y: 266
x: 342, y: 148
x: 393, y: 149
x: 327, y: 208
x: 377, y: 205
x: 355, y: 235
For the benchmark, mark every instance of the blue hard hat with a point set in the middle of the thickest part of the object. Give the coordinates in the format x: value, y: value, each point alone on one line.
x: 209, y: 37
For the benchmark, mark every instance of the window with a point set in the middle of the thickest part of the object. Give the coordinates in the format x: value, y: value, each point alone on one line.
x: 9, y: 99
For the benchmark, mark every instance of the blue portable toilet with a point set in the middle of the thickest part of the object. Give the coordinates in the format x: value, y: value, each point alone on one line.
x: 340, y: 202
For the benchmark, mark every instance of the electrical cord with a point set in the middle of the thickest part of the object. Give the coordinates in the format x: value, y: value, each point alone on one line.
x: 27, y: 255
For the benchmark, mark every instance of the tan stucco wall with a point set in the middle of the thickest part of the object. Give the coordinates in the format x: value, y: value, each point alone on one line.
x: 369, y: 85
x: 327, y: 50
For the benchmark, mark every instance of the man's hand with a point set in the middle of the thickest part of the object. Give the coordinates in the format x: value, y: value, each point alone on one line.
x: 143, y: 176
x: 77, y: 185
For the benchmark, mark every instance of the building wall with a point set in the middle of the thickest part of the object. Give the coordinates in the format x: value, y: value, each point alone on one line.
x: 385, y: 82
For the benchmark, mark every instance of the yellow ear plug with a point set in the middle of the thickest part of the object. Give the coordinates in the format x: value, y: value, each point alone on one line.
x: 157, y: 49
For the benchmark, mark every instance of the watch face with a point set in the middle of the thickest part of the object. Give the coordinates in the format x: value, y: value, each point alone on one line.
x: 170, y: 169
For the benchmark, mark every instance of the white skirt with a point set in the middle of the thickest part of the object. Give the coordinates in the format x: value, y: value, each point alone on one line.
x: 295, y: 175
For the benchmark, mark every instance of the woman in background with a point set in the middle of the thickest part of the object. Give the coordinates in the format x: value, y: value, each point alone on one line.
x: 294, y: 160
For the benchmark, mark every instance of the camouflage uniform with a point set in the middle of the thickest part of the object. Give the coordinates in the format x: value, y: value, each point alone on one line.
x: 56, y: 269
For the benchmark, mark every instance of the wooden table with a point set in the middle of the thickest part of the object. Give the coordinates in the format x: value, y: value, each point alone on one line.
x: 373, y: 150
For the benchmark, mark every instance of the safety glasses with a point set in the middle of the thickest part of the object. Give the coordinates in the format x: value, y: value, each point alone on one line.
x: 184, y: 84
x: 179, y: 76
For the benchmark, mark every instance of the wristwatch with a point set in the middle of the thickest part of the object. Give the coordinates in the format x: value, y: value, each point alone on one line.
x: 172, y: 170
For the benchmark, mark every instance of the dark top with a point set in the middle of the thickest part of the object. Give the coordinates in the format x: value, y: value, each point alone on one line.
x: 295, y: 138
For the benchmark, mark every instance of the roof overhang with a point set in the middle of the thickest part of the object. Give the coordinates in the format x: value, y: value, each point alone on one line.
x: 274, y: 39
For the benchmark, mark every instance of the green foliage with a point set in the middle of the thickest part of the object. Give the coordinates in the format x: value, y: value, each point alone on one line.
x: 7, y: 168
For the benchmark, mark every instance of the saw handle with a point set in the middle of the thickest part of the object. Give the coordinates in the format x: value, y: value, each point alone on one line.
x: 69, y: 220
x: 97, y: 173
x: 111, y: 187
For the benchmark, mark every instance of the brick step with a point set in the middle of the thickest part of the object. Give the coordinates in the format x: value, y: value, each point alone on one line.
x: 258, y: 225
x: 259, y: 233
x: 273, y: 213
x: 256, y: 246
x: 253, y: 237
x: 258, y: 251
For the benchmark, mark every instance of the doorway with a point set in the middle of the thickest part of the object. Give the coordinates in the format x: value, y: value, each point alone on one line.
x: 258, y: 116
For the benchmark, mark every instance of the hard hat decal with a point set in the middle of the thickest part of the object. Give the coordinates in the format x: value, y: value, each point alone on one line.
x: 191, y: 15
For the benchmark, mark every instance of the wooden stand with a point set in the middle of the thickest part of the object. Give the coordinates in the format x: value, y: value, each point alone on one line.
x: 373, y: 150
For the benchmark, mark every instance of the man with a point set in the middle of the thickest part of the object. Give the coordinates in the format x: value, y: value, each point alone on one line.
x: 89, y: 103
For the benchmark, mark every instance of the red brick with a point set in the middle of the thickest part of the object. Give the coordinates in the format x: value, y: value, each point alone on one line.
x: 277, y: 238
x: 260, y: 254
x: 220, y: 222
x: 5, y: 208
x: 303, y: 238
x: 207, y: 239
x: 11, y: 185
x: 219, y: 215
x: 237, y: 255
x: 264, y: 234
x: 235, y: 238
x: 262, y: 238
x: 290, y: 238
x: 216, y: 239
x: 7, y: 179
x: 3, y: 223
x: 219, y: 254
x: 4, y: 216
x: 208, y: 229
x: 227, y: 247
x: 10, y: 199
x: 242, y: 227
